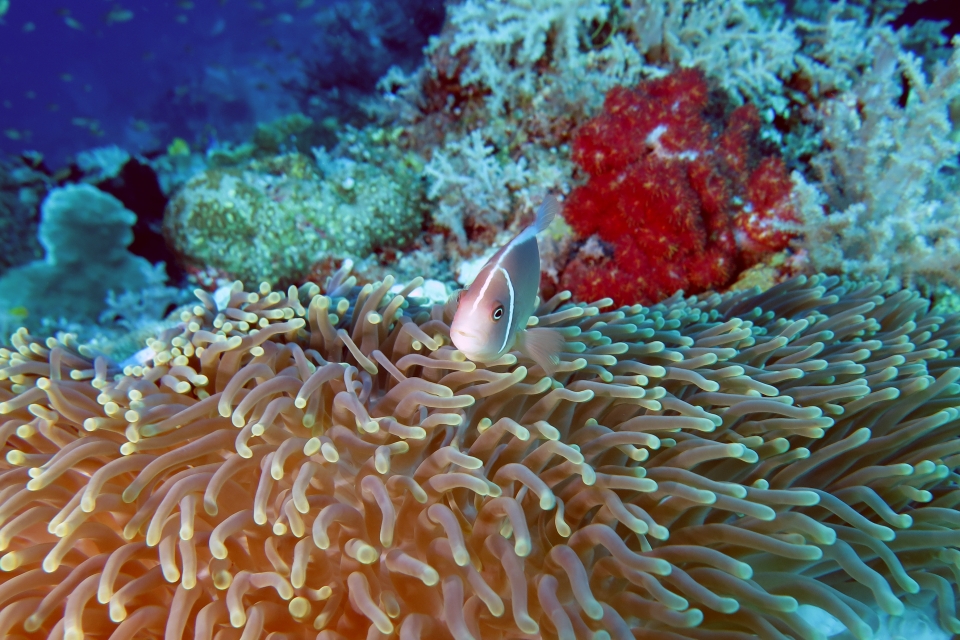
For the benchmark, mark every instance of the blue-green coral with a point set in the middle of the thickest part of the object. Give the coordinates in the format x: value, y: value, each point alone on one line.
x: 85, y: 234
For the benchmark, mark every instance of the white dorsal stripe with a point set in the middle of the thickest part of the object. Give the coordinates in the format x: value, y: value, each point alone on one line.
x: 506, y: 334
x: 506, y: 250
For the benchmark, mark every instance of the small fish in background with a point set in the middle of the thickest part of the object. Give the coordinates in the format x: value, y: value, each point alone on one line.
x: 4, y: 7
x: 179, y: 147
x: 118, y: 14
x: 69, y: 20
x: 492, y: 314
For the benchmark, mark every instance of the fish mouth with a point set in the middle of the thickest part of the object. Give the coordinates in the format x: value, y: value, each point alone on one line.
x: 460, y: 333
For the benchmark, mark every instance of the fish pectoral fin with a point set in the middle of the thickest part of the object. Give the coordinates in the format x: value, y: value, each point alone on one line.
x: 543, y: 346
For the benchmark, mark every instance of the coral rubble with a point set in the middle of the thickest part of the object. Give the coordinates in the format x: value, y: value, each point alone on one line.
x: 303, y: 462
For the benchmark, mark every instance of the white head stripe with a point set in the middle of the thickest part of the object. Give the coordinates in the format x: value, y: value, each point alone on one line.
x: 506, y: 334
x: 483, y: 290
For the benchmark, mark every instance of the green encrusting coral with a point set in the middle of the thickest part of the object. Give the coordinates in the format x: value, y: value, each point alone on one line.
x: 271, y: 219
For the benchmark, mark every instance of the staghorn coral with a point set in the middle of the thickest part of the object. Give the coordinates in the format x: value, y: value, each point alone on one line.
x: 532, y: 51
x: 475, y: 185
x: 553, y: 62
x: 300, y: 463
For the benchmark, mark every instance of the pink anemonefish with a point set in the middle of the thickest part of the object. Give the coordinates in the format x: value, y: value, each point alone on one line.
x: 492, y: 314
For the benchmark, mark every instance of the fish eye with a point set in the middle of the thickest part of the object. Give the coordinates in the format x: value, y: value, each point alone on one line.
x: 498, y: 313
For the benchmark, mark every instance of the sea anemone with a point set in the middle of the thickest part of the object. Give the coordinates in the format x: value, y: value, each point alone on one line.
x: 328, y: 465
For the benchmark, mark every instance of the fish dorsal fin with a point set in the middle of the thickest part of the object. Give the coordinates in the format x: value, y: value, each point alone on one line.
x: 548, y: 210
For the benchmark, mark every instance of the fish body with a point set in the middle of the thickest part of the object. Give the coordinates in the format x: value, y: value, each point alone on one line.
x: 492, y: 314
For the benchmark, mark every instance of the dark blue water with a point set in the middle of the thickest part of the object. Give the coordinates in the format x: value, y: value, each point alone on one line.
x: 76, y: 74
x: 138, y: 73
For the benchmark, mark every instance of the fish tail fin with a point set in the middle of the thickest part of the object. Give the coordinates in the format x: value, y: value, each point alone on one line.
x: 543, y: 346
x: 548, y: 210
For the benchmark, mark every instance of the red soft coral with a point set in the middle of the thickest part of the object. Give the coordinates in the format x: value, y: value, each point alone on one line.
x: 666, y: 189
x: 759, y: 225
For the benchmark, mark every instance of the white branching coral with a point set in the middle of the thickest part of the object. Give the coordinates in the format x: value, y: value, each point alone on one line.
x: 510, y: 43
x: 522, y: 50
x: 477, y: 186
x: 748, y: 54
x: 888, y: 174
x: 833, y: 48
x: 476, y: 183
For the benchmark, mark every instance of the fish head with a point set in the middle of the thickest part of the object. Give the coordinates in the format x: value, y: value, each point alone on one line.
x: 481, y: 325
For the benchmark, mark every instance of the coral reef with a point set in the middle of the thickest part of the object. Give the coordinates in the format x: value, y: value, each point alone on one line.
x: 113, y: 307
x: 102, y: 163
x: 137, y: 185
x: 553, y: 63
x: 479, y: 189
x: 888, y: 175
x: 272, y: 219
x: 22, y: 187
x: 288, y: 463
x: 85, y: 234
x: 527, y: 75
x: 173, y: 170
x: 283, y: 134
x: 677, y: 201
x: 751, y: 53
